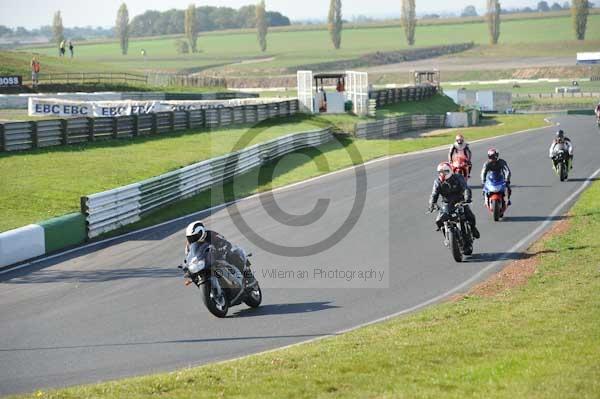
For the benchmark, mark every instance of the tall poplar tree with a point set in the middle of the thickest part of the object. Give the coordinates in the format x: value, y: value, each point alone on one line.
x: 191, y: 27
x: 493, y: 20
x: 409, y: 20
x: 262, y: 25
x: 335, y: 23
x: 122, y: 28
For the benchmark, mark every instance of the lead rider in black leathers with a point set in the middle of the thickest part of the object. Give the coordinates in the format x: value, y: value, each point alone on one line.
x: 454, y: 189
x: 196, y: 232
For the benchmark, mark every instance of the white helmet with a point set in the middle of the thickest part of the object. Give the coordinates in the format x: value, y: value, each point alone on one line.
x: 195, y: 232
x: 460, y: 143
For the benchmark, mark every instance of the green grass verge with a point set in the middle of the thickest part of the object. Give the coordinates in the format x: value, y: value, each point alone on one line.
x: 535, y: 341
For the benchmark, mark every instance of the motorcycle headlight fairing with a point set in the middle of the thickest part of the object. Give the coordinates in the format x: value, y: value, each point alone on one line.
x: 196, y: 265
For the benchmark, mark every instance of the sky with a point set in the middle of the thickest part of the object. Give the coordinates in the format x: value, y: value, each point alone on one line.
x: 35, y: 13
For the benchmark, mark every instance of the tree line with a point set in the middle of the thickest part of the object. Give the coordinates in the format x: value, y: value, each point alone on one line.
x: 260, y: 19
x: 171, y: 22
x: 542, y: 6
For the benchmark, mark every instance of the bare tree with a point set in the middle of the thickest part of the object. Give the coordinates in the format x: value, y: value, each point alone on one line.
x: 262, y: 25
x: 409, y: 20
x: 191, y: 27
x: 493, y: 19
x: 57, y: 28
x: 122, y: 28
x: 335, y: 23
x: 580, y: 9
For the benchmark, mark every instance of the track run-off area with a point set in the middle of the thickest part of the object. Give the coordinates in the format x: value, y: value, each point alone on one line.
x: 119, y: 308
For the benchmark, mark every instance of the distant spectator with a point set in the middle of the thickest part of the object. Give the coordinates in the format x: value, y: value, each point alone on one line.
x: 35, y: 70
x: 61, y: 49
x: 71, y: 48
x: 144, y: 53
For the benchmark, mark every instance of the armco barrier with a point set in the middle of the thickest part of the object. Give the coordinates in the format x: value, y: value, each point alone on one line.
x: 398, y: 125
x: 113, y: 209
x: 15, y: 136
x: 392, y: 96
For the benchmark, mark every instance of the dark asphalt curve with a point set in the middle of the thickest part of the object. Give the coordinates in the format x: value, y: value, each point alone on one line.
x: 120, y: 309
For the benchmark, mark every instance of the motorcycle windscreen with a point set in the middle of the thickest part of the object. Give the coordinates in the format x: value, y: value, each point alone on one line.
x: 495, y: 183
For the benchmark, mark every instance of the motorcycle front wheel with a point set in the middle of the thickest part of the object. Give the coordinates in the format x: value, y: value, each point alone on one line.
x: 497, y: 209
x: 216, y: 304
x: 562, y: 171
x: 454, y: 245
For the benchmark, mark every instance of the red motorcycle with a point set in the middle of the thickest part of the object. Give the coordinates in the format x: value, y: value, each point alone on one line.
x: 461, y: 165
x: 494, y: 191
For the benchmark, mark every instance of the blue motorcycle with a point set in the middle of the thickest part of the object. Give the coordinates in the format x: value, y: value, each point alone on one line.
x: 494, y: 191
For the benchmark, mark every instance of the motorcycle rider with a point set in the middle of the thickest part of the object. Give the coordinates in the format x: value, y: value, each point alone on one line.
x: 461, y: 147
x: 559, y: 141
x: 196, y: 232
x: 454, y: 189
x: 497, y: 165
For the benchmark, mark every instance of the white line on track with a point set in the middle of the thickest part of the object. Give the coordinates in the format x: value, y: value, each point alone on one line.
x: 218, y: 207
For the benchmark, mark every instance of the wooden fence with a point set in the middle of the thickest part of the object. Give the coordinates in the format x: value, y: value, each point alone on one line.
x: 91, y: 78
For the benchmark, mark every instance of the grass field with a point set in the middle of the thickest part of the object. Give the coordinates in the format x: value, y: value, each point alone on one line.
x: 539, y: 340
x: 288, y: 49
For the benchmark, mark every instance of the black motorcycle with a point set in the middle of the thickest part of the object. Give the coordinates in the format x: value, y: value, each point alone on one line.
x: 224, y: 282
x: 560, y: 161
x: 458, y: 236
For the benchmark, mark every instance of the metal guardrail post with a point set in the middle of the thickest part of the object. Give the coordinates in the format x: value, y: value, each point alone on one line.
x: 64, y: 133
x: 34, y: 135
x: 136, y: 126
x: 2, y: 138
x: 154, y: 127
x: 188, y: 120
x: 91, y: 128
x: 115, y: 127
x: 172, y: 121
